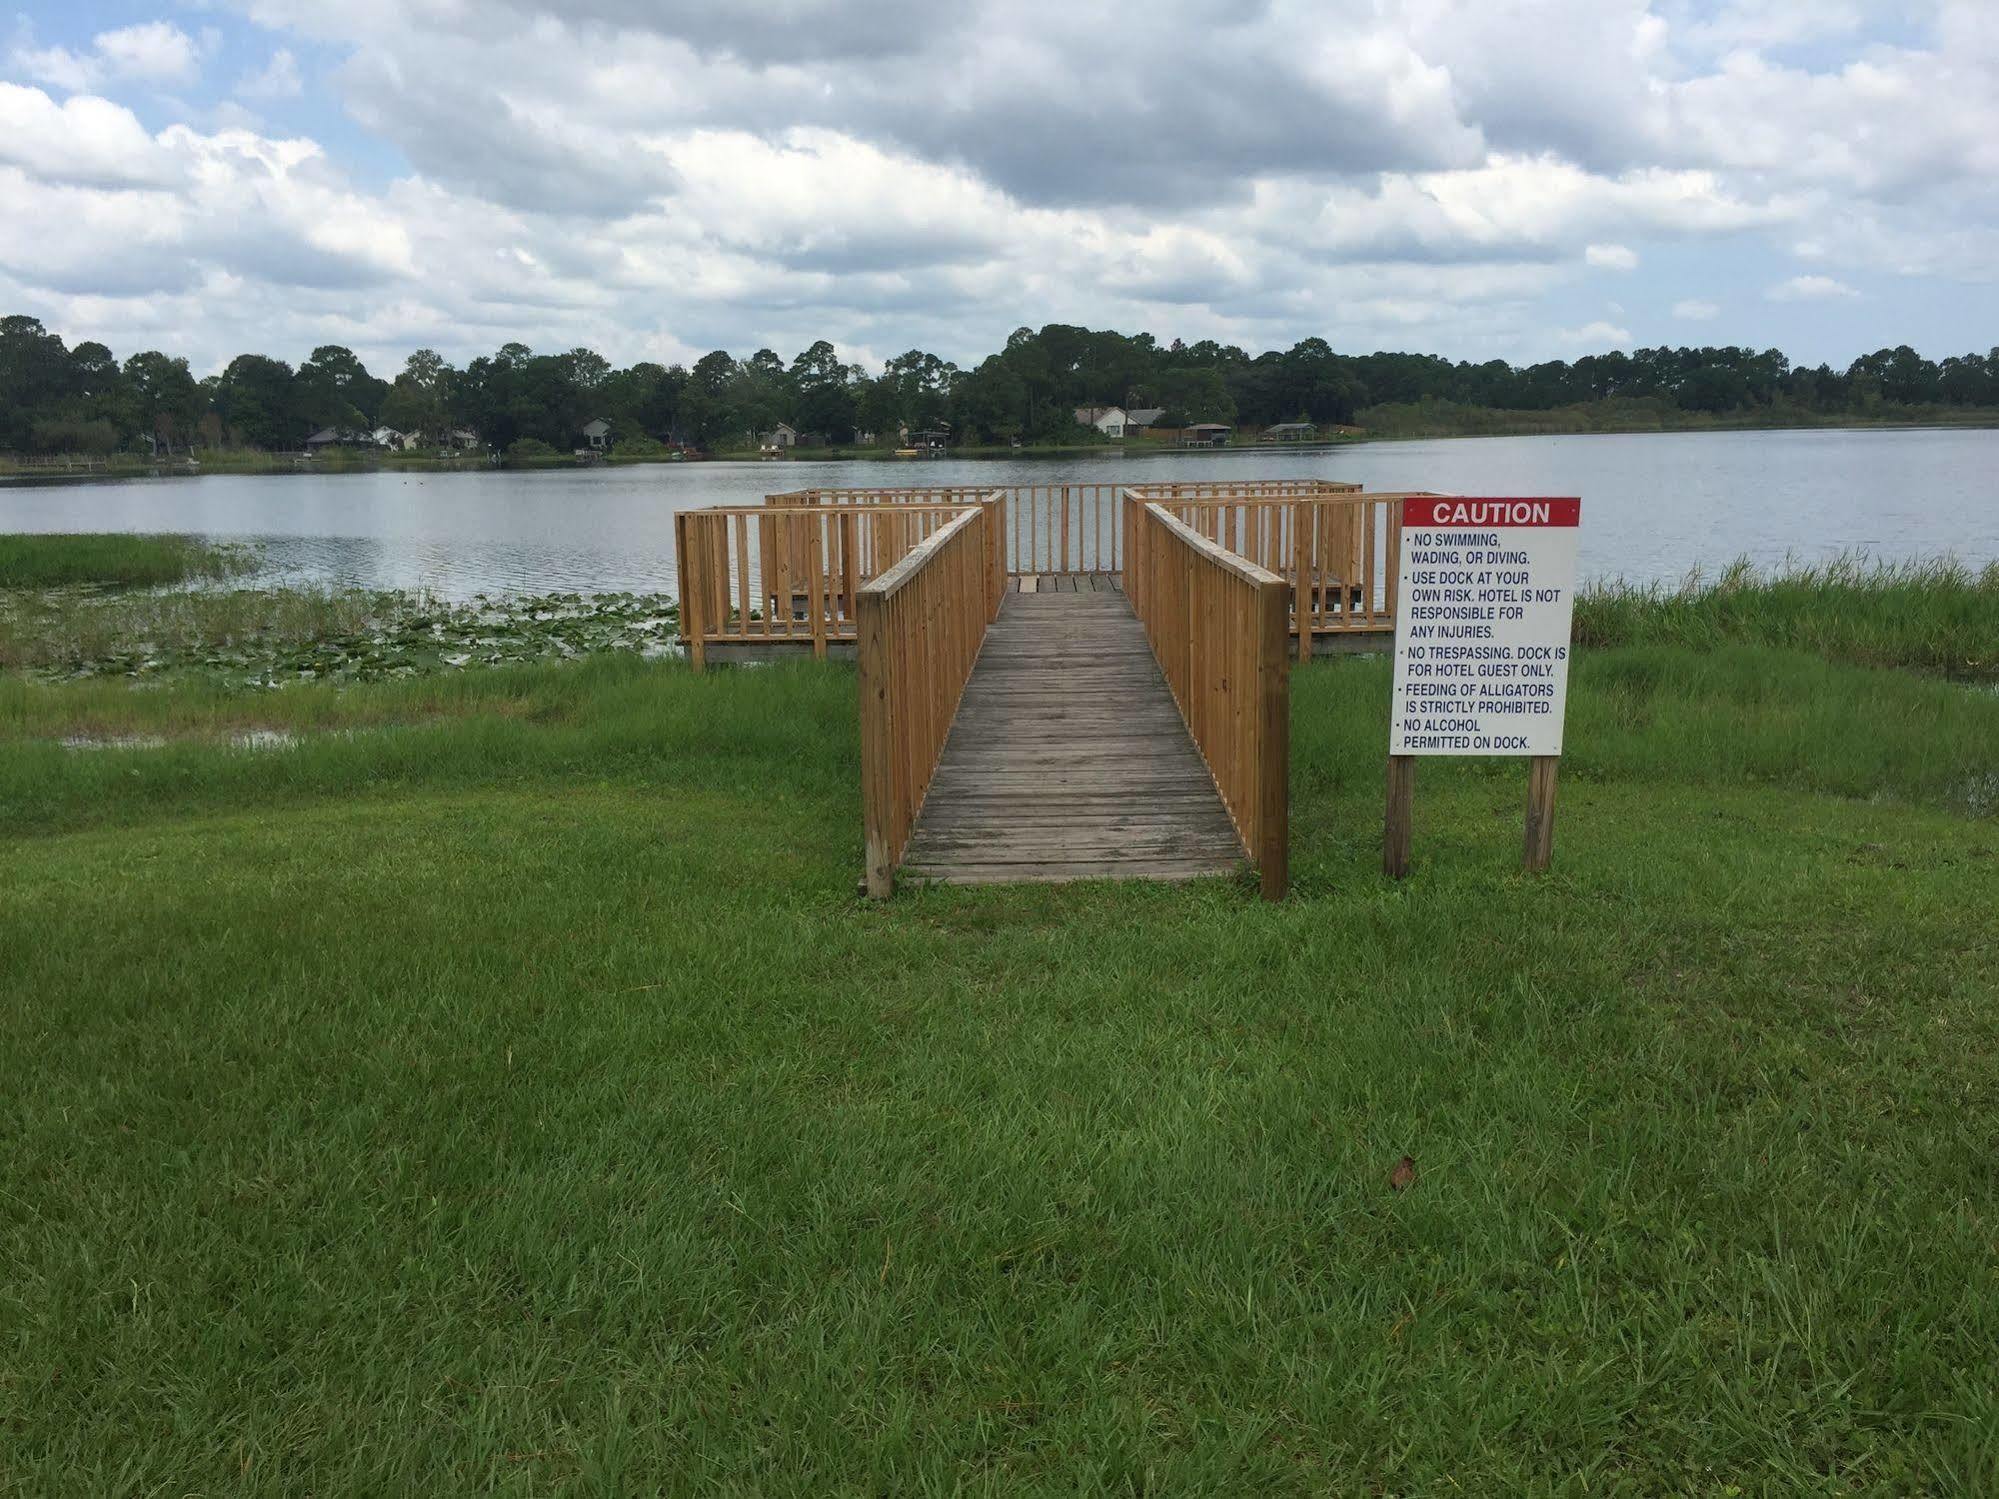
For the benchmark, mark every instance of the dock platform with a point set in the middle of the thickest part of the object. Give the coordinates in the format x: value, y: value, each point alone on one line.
x: 1068, y: 758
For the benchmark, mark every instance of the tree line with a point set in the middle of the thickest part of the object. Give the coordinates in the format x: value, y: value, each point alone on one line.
x: 55, y: 398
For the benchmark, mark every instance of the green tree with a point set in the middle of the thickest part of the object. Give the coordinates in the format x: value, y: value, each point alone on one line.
x: 35, y: 376
x: 334, y: 389
x: 254, y: 400
x: 164, y: 400
x: 421, y: 399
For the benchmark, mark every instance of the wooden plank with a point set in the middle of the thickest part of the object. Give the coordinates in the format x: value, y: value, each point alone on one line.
x: 1273, y: 743
x: 875, y: 752
x: 815, y: 585
x: 692, y: 625
x: 1068, y: 759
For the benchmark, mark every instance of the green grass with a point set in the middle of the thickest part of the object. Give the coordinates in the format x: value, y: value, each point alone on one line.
x: 1937, y: 616
x: 57, y: 561
x: 511, y: 1096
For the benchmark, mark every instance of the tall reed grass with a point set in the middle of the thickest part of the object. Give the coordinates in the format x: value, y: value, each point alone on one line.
x: 1934, y: 616
x: 65, y: 560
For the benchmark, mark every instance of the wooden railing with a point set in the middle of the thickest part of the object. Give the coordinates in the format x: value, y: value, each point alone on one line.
x: 1063, y: 528
x: 1218, y: 627
x: 763, y: 574
x: 921, y: 625
x: 1340, y: 554
x: 919, y: 494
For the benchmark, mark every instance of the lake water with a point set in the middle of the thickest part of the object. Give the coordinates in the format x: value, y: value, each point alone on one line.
x: 1654, y: 505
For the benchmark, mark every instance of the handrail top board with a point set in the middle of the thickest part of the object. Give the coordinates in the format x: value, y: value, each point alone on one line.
x: 1255, y: 488
x: 1368, y: 496
x: 981, y: 494
x: 1214, y: 551
x: 767, y: 512
x: 887, y: 582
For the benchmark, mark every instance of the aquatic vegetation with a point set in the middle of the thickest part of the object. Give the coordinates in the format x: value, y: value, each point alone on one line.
x: 62, y: 560
x: 272, y: 637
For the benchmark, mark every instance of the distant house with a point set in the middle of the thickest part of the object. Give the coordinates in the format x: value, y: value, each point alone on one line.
x: 598, y: 435
x: 779, y: 438
x: 1109, y: 420
x: 1205, y: 435
x: 1141, y: 417
x: 394, y: 441
x: 336, y: 437
x: 463, y: 437
x: 1290, y: 432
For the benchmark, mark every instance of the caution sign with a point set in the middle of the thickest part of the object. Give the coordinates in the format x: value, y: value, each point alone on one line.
x: 1487, y: 589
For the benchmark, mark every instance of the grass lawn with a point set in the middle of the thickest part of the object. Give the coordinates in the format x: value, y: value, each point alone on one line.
x: 504, y: 1091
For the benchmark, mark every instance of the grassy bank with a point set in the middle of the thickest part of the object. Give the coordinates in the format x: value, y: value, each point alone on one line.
x: 500, y: 1089
x: 55, y: 561
x: 1927, y: 616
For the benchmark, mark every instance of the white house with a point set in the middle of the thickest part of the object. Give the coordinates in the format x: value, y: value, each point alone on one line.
x: 389, y: 437
x: 1109, y: 420
x: 780, y: 437
x: 599, y: 434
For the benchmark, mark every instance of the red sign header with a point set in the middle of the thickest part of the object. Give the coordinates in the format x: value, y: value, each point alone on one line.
x: 1464, y: 510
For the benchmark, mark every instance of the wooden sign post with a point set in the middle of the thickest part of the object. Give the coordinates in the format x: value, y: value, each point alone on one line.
x: 1485, y: 600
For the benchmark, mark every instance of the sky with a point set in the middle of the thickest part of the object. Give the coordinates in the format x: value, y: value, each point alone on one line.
x: 656, y: 178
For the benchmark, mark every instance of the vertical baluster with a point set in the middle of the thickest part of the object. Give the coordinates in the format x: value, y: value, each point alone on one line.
x: 741, y: 527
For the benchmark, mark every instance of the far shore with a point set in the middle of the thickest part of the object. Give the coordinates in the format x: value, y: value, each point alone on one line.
x: 263, y: 464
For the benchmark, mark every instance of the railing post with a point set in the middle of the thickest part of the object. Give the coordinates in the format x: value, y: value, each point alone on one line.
x: 818, y: 590
x: 1273, y: 697
x: 1305, y: 523
x: 1540, y: 843
x: 850, y: 569
x: 1399, y: 818
x: 995, y: 521
x: 871, y: 651
x: 691, y: 624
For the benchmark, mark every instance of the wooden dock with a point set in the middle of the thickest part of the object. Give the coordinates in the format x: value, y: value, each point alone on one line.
x: 1068, y: 758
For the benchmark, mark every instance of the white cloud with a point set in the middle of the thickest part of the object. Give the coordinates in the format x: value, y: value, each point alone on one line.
x: 1593, y: 338
x: 277, y: 79
x: 1810, y: 289
x: 654, y: 174
x: 156, y: 50
x: 1763, y: 24
x: 83, y: 140
x: 151, y: 52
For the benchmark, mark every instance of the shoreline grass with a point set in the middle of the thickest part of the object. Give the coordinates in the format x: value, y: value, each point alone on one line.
x: 521, y: 1102
x: 109, y: 559
x: 1936, y: 616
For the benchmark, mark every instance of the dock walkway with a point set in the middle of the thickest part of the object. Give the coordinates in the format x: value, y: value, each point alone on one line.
x: 1068, y: 758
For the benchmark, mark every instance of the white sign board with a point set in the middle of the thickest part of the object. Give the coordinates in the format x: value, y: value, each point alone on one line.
x: 1486, y: 590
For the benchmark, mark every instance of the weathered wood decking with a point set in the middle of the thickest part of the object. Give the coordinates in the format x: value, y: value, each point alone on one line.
x: 1068, y: 758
